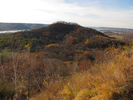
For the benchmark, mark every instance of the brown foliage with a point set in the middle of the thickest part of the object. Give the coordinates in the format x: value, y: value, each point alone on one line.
x: 85, y: 65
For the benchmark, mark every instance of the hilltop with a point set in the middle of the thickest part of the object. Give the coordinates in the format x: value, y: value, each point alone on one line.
x: 61, y: 40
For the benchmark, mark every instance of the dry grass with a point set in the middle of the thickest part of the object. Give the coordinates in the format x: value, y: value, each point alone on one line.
x: 117, y: 37
x: 106, y: 81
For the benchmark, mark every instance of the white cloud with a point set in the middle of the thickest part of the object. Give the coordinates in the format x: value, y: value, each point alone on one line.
x: 49, y: 11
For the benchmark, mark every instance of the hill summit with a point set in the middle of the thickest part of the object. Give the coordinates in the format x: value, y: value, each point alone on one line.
x: 61, y: 39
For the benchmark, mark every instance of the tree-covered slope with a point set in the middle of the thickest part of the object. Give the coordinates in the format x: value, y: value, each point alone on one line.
x: 61, y: 39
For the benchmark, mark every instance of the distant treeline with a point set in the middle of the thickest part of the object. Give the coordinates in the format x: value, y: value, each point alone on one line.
x: 19, y: 26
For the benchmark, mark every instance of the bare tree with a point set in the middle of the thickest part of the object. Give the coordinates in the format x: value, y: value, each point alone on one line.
x: 1, y: 63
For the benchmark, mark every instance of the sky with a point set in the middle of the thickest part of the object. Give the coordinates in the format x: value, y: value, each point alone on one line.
x: 97, y: 13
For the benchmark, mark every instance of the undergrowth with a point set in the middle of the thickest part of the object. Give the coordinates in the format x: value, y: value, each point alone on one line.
x: 112, y: 80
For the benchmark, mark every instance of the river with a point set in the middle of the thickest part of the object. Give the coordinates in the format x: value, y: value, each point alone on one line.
x: 10, y: 31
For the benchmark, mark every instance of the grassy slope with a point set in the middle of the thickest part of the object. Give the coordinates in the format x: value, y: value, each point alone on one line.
x: 111, y: 80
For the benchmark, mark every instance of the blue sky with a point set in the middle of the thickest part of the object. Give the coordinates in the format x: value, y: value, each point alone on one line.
x: 122, y: 4
x: 99, y: 13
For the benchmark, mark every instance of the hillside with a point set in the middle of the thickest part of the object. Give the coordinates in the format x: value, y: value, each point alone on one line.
x: 62, y: 40
x: 19, y: 26
x: 108, y: 80
x: 64, y: 61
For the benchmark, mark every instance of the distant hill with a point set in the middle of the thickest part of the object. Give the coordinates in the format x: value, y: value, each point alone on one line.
x: 113, y: 29
x: 19, y: 26
x: 62, y: 40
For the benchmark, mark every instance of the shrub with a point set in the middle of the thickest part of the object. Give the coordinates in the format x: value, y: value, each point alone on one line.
x: 6, y: 90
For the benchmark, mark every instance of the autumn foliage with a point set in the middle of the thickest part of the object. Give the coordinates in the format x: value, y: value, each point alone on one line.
x: 65, y: 61
x: 85, y: 65
x: 101, y: 80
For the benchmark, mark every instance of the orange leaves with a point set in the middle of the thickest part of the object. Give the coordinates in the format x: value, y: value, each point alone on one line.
x: 101, y: 43
x: 64, y: 54
x: 10, y: 62
x: 77, y: 41
x: 73, y: 41
x: 24, y: 64
x: 85, y: 65
x: 80, y: 29
x: 40, y: 65
x: 41, y: 53
x: 85, y: 53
